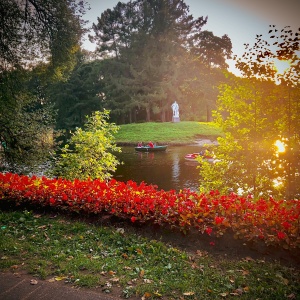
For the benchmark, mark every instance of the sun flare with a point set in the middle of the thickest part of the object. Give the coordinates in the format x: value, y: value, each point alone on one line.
x: 280, y: 146
x: 281, y: 65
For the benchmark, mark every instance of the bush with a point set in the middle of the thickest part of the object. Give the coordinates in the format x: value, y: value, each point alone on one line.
x: 88, y: 153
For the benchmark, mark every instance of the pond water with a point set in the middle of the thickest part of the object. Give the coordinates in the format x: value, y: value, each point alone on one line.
x: 168, y: 169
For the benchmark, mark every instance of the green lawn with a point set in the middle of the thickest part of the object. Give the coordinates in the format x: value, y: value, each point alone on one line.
x: 60, y: 248
x: 168, y: 132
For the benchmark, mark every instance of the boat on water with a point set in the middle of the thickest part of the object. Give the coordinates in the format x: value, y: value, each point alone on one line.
x: 150, y: 149
x: 193, y: 157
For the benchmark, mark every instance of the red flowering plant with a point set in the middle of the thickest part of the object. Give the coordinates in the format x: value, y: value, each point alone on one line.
x: 275, y: 222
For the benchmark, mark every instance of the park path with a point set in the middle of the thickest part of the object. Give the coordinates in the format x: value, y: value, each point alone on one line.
x: 21, y: 287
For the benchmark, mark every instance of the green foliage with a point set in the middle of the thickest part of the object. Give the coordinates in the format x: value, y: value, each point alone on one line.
x: 39, y: 31
x: 78, y: 96
x: 254, y: 113
x: 26, y: 122
x: 88, y: 154
x: 38, y: 43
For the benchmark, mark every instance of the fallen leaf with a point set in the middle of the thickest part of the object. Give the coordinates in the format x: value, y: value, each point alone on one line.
x: 146, y: 295
x: 224, y: 295
x: 42, y: 227
x: 248, y: 258
x: 189, y: 294
x: 148, y: 280
x: 33, y: 282
x: 59, y: 278
x: 14, y: 267
x: 246, y: 289
x: 108, y: 284
x: 291, y: 296
x: 285, y: 281
x: 120, y: 230
x: 142, y: 273
x: 157, y: 294
x: 124, y: 255
x: 115, y: 279
x: 239, y: 291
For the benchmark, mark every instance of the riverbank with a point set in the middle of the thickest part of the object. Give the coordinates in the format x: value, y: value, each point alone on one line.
x: 182, y: 133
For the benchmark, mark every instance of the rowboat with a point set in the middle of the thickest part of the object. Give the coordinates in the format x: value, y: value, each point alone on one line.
x: 193, y: 157
x: 150, y: 149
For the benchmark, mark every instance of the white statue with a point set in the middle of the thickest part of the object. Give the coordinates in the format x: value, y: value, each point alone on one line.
x: 175, y: 108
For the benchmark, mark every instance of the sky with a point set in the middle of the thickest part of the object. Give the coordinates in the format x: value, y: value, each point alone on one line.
x: 241, y: 20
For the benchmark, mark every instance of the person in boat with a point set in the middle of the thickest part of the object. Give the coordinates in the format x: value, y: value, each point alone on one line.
x: 140, y: 144
x: 151, y: 145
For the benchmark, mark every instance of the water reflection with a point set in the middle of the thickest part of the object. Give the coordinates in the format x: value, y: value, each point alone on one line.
x: 168, y: 170
x: 175, y: 168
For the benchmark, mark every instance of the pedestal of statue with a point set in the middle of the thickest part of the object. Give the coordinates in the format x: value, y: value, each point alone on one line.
x: 175, y: 119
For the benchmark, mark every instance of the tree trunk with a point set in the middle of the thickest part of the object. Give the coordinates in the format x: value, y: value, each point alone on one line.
x: 148, y: 118
x: 163, y: 115
x: 130, y: 116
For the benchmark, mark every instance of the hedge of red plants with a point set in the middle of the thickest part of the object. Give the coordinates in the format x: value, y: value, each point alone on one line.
x: 276, y: 222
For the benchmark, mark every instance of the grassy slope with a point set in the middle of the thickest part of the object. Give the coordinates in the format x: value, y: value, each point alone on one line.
x: 90, y: 255
x: 169, y: 133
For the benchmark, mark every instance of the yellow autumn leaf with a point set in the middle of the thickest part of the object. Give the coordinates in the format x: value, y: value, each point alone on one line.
x: 59, y: 278
x: 157, y: 294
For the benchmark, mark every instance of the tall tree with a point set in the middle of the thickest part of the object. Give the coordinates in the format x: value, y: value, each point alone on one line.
x: 212, y: 50
x: 37, y: 38
x: 151, y: 40
x: 78, y: 96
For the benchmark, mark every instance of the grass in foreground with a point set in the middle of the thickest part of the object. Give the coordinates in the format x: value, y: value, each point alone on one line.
x: 168, y: 132
x: 96, y: 256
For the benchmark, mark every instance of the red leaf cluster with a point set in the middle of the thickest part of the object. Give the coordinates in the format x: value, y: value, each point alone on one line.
x: 274, y: 221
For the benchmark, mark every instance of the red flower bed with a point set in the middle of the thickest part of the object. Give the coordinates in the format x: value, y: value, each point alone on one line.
x: 274, y: 221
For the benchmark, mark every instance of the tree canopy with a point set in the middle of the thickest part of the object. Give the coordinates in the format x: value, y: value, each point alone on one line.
x: 151, y: 45
x: 33, y: 31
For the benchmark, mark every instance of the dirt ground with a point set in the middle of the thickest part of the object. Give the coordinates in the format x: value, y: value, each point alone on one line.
x: 225, y: 247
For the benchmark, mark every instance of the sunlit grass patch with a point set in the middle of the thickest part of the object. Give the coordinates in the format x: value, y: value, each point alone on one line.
x: 168, y: 132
